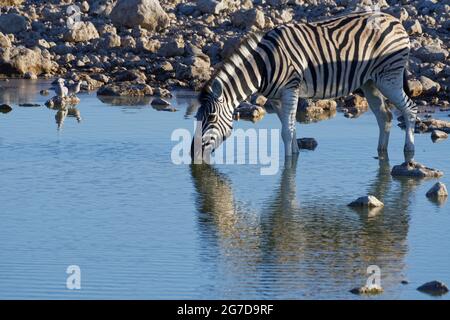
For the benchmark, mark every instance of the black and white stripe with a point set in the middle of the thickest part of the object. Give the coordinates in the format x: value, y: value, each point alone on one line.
x: 327, y: 59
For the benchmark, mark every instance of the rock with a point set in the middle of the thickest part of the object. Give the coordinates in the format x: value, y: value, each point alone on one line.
x: 160, y: 102
x: 130, y: 75
x: 5, y: 42
x: 436, y: 124
x: 58, y: 102
x: 12, y: 23
x: 373, y: 289
x: 415, y: 87
x: 367, y: 201
x: 437, y: 191
x: 435, y: 288
x: 438, y: 135
x: 20, y: 60
x: 11, y: 2
x: 29, y: 105
x: 4, y: 108
x: 247, y: 18
x: 315, y: 110
x: 429, y: 86
x: 44, y: 92
x: 125, y: 88
x: 81, y: 32
x: 354, y: 106
x: 248, y: 111
x: 414, y: 28
x: 307, y: 143
x: 212, y: 6
x: 147, y: 14
x: 173, y: 48
x: 431, y: 54
x: 415, y: 170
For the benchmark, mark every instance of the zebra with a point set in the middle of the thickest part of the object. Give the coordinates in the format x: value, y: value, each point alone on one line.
x: 320, y: 60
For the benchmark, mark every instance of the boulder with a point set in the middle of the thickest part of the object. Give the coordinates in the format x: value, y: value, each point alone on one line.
x: 5, y: 42
x: 81, y: 32
x: 415, y: 170
x: 369, y: 290
x: 431, y: 53
x: 415, y: 87
x: 438, y: 135
x: 246, y: 19
x: 12, y: 23
x: 58, y: 102
x: 4, y: 108
x: 435, y: 288
x: 20, y: 60
x: 145, y: 13
x: 367, y: 202
x: 429, y: 86
x: 172, y: 48
x: 437, y: 191
x: 212, y: 6
x: 125, y: 88
x: 307, y: 143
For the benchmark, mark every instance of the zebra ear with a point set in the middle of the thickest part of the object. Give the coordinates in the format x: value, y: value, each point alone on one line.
x: 216, y: 88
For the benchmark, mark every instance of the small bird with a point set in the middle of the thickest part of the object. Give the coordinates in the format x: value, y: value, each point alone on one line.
x: 61, y: 90
x: 74, y: 88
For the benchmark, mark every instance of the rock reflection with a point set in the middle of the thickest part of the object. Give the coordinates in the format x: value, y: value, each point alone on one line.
x: 315, y: 246
x: 125, y: 101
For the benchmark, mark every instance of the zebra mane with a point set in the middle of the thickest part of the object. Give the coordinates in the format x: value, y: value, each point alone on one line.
x: 251, y: 40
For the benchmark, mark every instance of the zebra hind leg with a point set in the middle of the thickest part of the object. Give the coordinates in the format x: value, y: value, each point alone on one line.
x: 289, y: 100
x: 382, y: 114
x: 393, y: 90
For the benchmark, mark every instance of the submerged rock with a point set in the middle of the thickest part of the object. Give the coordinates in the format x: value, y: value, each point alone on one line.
x: 307, y: 143
x: 435, y: 288
x: 415, y: 170
x: 373, y: 289
x: 4, y: 108
x: 367, y: 201
x: 58, y: 102
x: 437, y: 191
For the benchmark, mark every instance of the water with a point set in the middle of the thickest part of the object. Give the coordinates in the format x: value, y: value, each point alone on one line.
x: 103, y: 194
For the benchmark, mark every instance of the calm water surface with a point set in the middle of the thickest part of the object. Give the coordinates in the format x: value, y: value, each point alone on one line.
x: 103, y: 194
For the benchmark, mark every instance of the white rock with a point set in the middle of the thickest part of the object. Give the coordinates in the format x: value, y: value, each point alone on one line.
x: 145, y: 13
x: 367, y: 201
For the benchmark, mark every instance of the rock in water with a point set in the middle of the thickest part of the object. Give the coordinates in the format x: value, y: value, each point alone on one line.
x: 435, y: 288
x: 367, y: 201
x: 4, y: 108
x: 307, y: 143
x: 373, y: 289
x: 438, y: 135
x: 160, y: 102
x: 145, y: 13
x: 437, y: 191
x: 415, y: 170
x: 58, y: 102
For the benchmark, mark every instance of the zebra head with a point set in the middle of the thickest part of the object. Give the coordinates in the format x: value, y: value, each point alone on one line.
x: 214, y: 121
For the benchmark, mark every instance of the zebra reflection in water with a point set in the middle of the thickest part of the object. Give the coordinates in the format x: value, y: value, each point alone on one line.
x: 292, y: 247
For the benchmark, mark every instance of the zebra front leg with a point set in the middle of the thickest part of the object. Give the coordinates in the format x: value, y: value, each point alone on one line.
x: 287, y: 115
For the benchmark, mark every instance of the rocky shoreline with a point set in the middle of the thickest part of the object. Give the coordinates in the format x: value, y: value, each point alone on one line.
x: 149, y: 47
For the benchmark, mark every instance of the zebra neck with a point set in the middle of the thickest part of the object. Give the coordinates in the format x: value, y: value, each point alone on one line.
x: 236, y: 90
